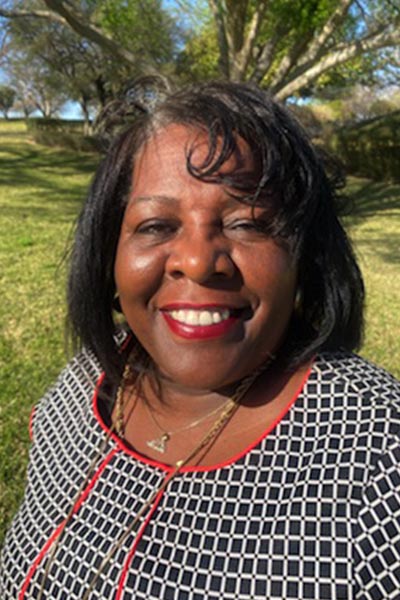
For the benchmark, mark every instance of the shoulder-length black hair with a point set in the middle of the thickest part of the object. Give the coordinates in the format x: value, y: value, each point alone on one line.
x: 290, y: 177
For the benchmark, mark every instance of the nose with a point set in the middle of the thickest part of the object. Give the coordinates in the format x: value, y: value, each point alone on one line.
x: 201, y: 258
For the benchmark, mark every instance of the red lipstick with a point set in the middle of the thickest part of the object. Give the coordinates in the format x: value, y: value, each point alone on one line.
x: 200, y: 332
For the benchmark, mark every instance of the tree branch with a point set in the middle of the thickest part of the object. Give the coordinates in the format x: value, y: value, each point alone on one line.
x: 24, y: 14
x: 301, y: 67
x: 59, y: 13
x: 267, y: 54
x: 334, y: 21
x: 338, y: 56
x: 244, y: 55
x: 235, y: 18
x: 219, y: 12
x: 300, y: 57
x: 287, y: 62
x: 80, y: 25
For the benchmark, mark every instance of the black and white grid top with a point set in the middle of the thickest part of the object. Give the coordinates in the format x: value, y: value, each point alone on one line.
x: 310, y: 511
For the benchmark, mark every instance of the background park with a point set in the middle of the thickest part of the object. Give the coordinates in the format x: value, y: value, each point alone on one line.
x: 335, y: 62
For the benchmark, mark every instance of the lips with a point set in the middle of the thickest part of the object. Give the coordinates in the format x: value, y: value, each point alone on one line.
x: 200, y: 322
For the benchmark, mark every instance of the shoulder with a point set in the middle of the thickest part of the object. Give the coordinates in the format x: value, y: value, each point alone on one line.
x: 74, y: 389
x: 83, y: 371
x: 72, y: 392
x: 358, y: 376
x: 357, y: 397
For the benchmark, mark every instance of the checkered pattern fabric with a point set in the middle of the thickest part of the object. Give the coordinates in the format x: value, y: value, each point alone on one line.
x: 310, y: 512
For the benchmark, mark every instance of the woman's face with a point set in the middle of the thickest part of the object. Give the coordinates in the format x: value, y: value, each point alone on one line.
x: 205, y: 292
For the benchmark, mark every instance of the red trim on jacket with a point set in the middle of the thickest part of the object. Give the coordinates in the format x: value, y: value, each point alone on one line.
x: 138, y: 537
x: 58, y: 531
x: 192, y: 469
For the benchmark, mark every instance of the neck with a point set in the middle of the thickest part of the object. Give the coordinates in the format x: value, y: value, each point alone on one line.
x: 183, y: 401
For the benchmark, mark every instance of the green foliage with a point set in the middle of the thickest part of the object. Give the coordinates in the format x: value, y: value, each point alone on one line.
x: 337, y: 82
x: 38, y: 86
x: 372, y: 148
x: 299, y: 47
x: 308, y: 118
x: 48, y: 61
x: 7, y: 98
x: 328, y: 111
x: 297, y: 21
x: 302, y: 20
x: 47, y: 58
x: 34, y: 125
x: 199, y: 59
x: 300, y: 17
x: 142, y: 27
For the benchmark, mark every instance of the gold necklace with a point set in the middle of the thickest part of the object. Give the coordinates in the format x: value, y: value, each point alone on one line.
x: 160, y: 443
x: 230, y: 408
x: 228, y: 411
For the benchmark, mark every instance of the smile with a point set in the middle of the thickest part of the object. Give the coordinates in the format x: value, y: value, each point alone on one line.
x: 200, y: 317
x: 201, y: 323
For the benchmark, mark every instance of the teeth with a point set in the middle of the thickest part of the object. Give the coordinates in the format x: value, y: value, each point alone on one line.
x: 205, y: 318
x: 200, y: 317
x: 192, y: 318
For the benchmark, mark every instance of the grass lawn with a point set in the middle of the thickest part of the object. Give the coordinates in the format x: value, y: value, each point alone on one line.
x: 374, y: 226
x: 40, y: 196
x: 41, y: 190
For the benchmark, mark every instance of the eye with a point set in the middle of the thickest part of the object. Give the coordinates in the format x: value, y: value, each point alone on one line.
x: 157, y: 228
x: 257, y: 226
x: 244, y: 225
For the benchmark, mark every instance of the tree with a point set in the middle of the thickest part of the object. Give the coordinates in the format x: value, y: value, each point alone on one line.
x: 287, y: 45
x: 73, y: 67
x: 135, y: 33
x: 365, y: 102
x: 7, y: 98
x: 199, y: 59
x: 290, y: 44
x: 3, y: 43
x: 86, y: 71
x: 37, y: 87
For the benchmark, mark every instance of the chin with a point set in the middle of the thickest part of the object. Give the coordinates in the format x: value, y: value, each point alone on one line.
x: 205, y: 377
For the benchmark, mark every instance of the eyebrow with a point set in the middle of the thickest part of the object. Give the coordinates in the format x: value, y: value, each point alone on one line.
x: 164, y: 199
x: 229, y: 201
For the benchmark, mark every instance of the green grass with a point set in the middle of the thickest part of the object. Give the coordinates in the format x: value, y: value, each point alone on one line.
x: 374, y: 226
x: 40, y: 195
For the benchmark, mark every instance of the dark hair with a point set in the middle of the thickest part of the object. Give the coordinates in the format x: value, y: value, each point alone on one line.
x: 290, y: 178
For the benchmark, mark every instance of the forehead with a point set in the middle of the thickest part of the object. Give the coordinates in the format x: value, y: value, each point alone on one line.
x: 171, y: 147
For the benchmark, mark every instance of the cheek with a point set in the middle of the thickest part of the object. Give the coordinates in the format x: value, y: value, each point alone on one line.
x: 137, y: 274
x: 275, y: 291
x: 272, y: 276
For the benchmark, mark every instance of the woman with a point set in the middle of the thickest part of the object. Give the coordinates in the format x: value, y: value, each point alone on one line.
x: 226, y: 443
